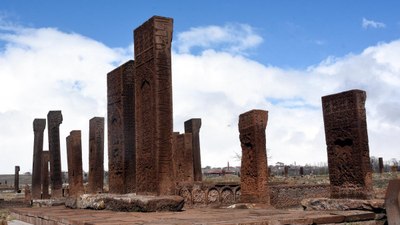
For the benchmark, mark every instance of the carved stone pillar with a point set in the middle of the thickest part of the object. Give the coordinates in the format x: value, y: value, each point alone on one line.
x: 346, y: 135
x: 38, y: 128
x: 254, y: 167
x: 193, y: 126
x: 54, y: 119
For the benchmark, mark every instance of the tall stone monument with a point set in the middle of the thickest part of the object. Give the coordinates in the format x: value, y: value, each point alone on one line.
x: 121, y: 129
x: 182, y: 156
x: 380, y: 161
x: 38, y: 128
x: 153, y: 96
x: 96, y: 155
x: 350, y: 172
x: 16, y: 179
x: 254, y: 167
x: 45, y: 174
x: 286, y: 171
x: 193, y: 126
x: 74, y: 155
x: 54, y: 119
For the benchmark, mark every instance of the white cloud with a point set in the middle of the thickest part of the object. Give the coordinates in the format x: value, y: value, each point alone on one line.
x: 234, y: 38
x: 45, y: 69
x: 218, y: 86
x: 372, y: 24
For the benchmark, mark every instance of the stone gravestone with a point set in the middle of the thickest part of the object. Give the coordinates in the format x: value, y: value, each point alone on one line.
x: 38, y: 128
x: 121, y: 129
x: 286, y: 171
x: 16, y: 179
x: 27, y: 194
x: 392, y: 202
x: 153, y: 99
x: 45, y: 174
x: 74, y: 155
x: 254, y: 167
x: 350, y: 172
x: 182, y: 156
x: 301, y: 172
x: 96, y: 155
x: 380, y: 165
x: 54, y: 119
x: 193, y: 126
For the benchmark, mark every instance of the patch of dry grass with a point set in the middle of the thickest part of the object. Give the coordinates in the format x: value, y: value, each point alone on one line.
x: 380, y: 181
x: 221, y: 179
x: 4, y: 213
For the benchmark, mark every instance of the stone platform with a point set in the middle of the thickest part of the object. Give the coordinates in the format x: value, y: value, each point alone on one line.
x: 62, y: 215
x: 126, y: 202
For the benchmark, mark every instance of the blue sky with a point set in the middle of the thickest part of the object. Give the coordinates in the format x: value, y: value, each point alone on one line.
x: 228, y: 57
x: 296, y: 33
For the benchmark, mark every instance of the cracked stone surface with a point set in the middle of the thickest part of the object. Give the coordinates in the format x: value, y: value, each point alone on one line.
x: 126, y: 202
x: 375, y: 205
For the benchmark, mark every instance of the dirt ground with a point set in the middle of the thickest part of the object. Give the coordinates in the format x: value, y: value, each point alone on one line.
x: 9, y: 199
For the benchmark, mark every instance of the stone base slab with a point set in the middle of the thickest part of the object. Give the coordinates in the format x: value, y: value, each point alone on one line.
x: 375, y: 205
x: 61, y: 215
x: 126, y: 202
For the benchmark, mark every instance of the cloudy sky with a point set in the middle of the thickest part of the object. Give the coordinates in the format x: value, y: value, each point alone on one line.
x: 228, y: 58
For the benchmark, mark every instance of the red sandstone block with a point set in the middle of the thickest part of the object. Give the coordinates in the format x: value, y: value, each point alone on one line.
x: 153, y: 107
x: 54, y: 119
x: 297, y: 221
x: 346, y: 137
x: 326, y: 218
x: 254, y: 166
x: 392, y: 202
x: 121, y: 132
x: 355, y: 215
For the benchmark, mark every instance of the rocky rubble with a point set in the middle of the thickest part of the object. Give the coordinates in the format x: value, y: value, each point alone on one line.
x: 126, y: 202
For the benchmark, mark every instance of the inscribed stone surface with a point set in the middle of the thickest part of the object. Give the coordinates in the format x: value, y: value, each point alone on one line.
x: 347, y: 144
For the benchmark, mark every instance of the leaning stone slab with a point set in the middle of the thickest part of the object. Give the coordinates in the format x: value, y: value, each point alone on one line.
x: 126, y: 202
x: 376, y: 205
x: 392, y: 202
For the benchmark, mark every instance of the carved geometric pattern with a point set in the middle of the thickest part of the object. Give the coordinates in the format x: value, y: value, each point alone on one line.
x: 347, y: 144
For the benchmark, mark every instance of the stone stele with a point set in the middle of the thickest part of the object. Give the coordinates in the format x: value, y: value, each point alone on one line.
x: 153, y: 99
x: 346, y: 137
x: 254, y: 167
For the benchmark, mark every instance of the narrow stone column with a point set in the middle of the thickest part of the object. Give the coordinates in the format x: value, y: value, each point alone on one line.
x: 96, y: 155
x: 121, y: 129
x: 182, y: 156
x: 193, y: 126
x: 74, y: 155
x: 301, y: 172
x: 28, y: 194
x: 286, y: 171
x: 380, y: 165
x: 45, y: 174
x: 16, y: 179
x: 54, y: 119
x: 38, y: 128
x: 153, y: 99
x: 346, y: 135
x: 254, y: 167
